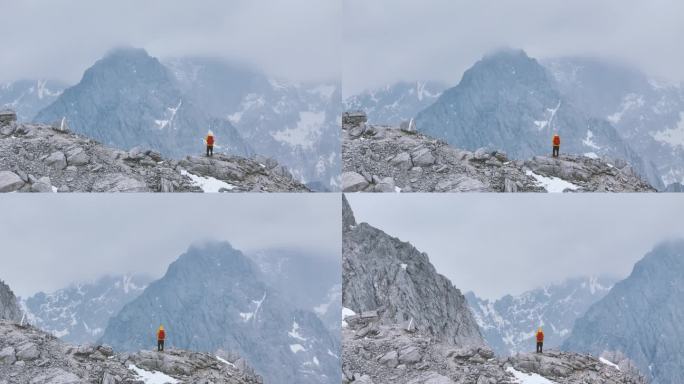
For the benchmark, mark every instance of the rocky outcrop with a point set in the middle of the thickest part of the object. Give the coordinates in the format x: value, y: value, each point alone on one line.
x: 388, y: 159
x: 7, y: 117
x: 9, y: 307
x: 48, y: 158
x: 641, y: 317
x: 392, y: 354
x: 30, y: 355
x: 395, y: 281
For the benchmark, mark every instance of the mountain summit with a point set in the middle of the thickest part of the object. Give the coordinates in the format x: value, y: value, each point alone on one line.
x: 129, y: 99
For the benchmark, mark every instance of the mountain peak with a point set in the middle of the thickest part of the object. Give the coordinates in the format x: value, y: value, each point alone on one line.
x: 9, y: 309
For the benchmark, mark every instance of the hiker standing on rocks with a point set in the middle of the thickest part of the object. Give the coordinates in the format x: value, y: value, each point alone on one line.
x: 209, y: 140
x: 161, y: 335
x: 556, y: 145
x: 540, y: 340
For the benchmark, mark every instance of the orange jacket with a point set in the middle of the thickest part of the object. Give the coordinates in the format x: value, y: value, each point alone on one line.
x: 161, y: 335
x: 556, y: 140
x: 210, y: 140
x: 540, y: 337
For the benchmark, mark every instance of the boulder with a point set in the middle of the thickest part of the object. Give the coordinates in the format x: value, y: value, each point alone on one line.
x: 10, y: 181
x: 353, y: 182
x: 57, y: 160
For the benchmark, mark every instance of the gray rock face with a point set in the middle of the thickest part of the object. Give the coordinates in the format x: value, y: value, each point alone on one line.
x: 130, y: 99
x: 28, y: 355
x: 395, y: 103
x: 641, y: 317
x: 414, y: 162
x: 73, y: 163
x: 213, y: 298
x: 384, y: 274
x: 309, y: 281
x: 505, y: 323
x: 79, y: 313
x: 9, y: 307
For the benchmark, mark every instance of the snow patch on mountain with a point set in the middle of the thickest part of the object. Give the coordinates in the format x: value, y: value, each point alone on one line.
x: 674, y: 137
x: 305, y: 133
x: 552, y: 184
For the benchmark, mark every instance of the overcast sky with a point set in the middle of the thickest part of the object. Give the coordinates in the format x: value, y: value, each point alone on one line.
x: 59, y: 39
x: 47, y: 242
x: 495, y: 244
x: 390, y: 40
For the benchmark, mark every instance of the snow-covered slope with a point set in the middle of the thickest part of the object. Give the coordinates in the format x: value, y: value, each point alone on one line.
x: 27, y: 97
x: 295, y: 123
x: 79, y: 313
x: 509, y: 323
x: 397, y: 102
x: 648, y: 114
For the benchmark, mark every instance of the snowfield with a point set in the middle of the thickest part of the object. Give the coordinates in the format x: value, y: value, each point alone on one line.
x: 527, y: 378
x: 152, y: 377
x: 552, y: 184
x: 207, y: 183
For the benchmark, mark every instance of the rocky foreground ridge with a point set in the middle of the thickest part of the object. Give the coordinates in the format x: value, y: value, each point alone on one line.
x: 49, y: 158
x: 389, y: 159
x: 375, y: 353
x: 28, y: 355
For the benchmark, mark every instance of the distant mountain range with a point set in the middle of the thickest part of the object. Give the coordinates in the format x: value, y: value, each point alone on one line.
x: 27, y: 97
x: 128, y: 99
x: 509, y: 324
x: 79, y: 313
x: 508, y: 101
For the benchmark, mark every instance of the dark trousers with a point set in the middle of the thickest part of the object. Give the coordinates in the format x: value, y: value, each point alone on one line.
x: 540, y: 346
x: 210, y: 150
x: 556, y: 150
x: 160, y: 345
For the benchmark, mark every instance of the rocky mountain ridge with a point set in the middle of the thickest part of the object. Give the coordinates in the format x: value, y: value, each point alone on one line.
x: 28, y: 354
x: 509, y: 323
x: 390, y: 159
x: 395, y: 327
x: 640, y: 317
x: 49, y: 158
x: 79, y: 313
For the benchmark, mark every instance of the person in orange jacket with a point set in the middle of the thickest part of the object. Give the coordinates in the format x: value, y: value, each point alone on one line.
x: 556, y: 145
x: 209, y: 140
x: 161, y: 335
x: 540, y: 340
